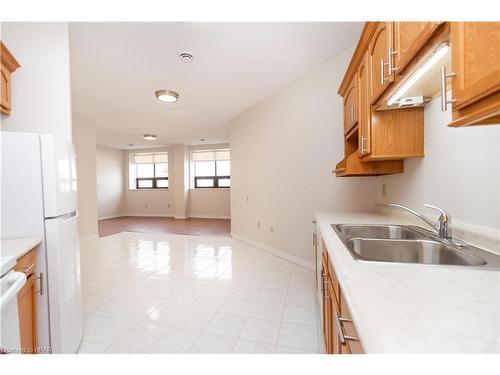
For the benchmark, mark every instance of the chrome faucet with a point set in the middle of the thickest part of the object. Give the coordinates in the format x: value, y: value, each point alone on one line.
x: 443, y: 228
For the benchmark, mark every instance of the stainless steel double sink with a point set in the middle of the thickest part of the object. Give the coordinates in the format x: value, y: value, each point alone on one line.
x: 410, y: 244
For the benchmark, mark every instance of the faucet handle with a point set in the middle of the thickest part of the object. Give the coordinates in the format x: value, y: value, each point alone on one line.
x: 445, y: 216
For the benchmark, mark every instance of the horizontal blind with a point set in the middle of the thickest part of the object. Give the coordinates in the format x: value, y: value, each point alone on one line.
x: 151, y: 158
x: 222, y: 155
x: 161, y: 158
x: 210, y: 155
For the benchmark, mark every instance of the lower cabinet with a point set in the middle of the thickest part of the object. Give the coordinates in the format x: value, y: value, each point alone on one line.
x: 26, y: 301
x: 339, y: 331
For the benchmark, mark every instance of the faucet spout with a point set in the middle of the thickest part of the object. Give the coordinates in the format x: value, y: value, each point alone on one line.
x: 443, y: 229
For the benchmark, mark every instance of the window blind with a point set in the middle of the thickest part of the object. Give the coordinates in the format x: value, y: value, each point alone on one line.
x: 151, y: 158
x: 211, y: 155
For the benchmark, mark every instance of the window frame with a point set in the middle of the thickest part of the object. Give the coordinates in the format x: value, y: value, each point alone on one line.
x: 154, y: 179
x: 215, y: 178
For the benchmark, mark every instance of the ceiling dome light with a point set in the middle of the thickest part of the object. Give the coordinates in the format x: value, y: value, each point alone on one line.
x: 186, y: 57
x: 168, y: 96
x: 150, y: 137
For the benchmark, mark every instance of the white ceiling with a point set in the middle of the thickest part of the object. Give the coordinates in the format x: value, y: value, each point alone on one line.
x: 116, y: 68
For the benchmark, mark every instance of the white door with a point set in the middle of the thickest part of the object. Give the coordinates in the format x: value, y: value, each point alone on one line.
x: 63, y: 276
x: 59, y: 176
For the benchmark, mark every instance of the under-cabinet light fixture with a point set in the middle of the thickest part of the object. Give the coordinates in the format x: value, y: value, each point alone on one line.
x: 150, y: 137
x: 440, y: 51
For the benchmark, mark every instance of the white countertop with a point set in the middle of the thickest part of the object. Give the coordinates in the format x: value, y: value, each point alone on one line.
x: 414, y: 308
x: 13, y: 249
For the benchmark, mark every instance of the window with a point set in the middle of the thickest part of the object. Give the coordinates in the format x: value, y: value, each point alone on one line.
x: 211, y: 168
x: 151, y: 171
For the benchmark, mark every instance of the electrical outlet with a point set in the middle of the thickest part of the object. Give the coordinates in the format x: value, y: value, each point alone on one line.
x: 271, y: 228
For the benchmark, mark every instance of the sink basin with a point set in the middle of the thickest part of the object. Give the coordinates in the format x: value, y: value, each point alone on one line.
x: 414, y: 251
x: 396, y: 232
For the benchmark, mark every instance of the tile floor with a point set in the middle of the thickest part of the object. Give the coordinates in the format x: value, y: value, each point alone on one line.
x: 167, y: 293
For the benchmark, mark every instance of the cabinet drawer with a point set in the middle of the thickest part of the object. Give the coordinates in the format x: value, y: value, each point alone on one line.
x: 26, y: 263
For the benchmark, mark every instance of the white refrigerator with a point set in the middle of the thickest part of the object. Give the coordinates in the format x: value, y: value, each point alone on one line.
x: 39, y: 197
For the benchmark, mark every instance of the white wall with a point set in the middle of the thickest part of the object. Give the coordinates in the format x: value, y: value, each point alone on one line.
x: 85, y: 148
x: 41, y: 98
x: 210, y: 203
x: 149, y: 202
x: 282, y: 153
x: 110, y: 182
x: 460, y: 172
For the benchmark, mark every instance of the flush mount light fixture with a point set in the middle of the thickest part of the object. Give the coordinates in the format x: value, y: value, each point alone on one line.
x: 168, y: 96
x: 150, y: 137
x: 432, y: 60
x: 186, y: 57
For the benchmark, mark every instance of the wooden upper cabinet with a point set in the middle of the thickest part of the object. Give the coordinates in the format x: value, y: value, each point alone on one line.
x: 409, y: 39
x: 364, y: 117
x: 351, y: 106
x: 379, y: 51
x: 475, y: 61
x: 7, y: 67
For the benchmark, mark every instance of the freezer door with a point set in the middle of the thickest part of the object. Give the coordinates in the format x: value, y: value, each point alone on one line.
x: 59, y: 176
x: 64, y: 284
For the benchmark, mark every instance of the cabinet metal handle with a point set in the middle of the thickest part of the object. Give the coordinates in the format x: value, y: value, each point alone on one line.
x: 339, y: 328
x: 444, y: 101
x: 383, y: 78
x: 363, y: 149
x: 382, y: 72
x: 40, y: 283
x: 343, y: 338
x: 390, y: 53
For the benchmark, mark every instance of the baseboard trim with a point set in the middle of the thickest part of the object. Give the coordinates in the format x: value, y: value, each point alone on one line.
x: 105, y: 217
x: 210, y: 217
x: 146, y: 215
x: 276, y: 252
x: 89, y: 238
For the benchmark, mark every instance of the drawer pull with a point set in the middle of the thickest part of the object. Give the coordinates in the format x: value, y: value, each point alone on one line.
x: 339, y: 327
x: 40, y: 283
x: 343, y: 338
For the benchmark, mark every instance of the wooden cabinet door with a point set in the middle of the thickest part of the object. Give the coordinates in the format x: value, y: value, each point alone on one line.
x: 378, y: 53
x: 26, y: 300
x: 326, y: 308
x: 409, y: 38
x: 364, y: 121
x: 4, y: 89
x: 350, y: 106
x: 475, y: 61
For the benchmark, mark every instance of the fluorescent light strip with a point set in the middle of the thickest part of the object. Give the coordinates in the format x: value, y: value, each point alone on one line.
x: 419, y: 73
